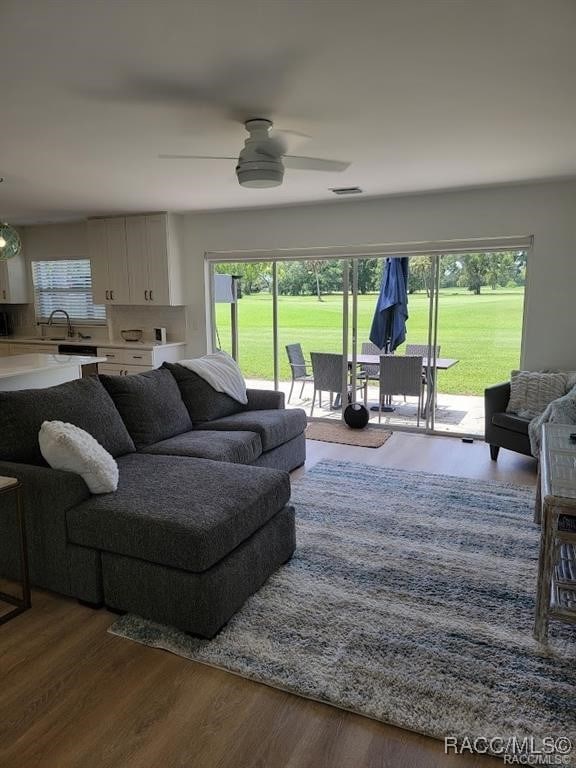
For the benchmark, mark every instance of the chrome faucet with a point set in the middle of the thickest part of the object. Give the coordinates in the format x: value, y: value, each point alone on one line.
x: 67, y: 316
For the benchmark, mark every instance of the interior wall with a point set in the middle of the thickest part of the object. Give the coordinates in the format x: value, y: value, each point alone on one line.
x: 547, y: 211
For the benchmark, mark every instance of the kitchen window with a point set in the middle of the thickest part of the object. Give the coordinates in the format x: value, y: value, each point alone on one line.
x: 66, y: 284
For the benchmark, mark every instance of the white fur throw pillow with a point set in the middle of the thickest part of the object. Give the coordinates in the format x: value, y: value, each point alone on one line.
x: 67, y: 447
x: 532, y: 391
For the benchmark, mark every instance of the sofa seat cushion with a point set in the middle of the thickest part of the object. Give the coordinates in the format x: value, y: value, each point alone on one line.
x: 150, y: 405
x: 203, y: 402
x: 237, y: 447
x: 511, y: 422
x: 177, y: 511
x: 275, y: 427
x: 82, y: 402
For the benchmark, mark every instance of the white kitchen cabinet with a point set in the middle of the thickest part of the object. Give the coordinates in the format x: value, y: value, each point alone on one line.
x: 137, y: 253
x: 109, y: 261
x: 28, y: 349
x: 14, y: 281
x: 33, y: 349
x: 117, y: 369
x: 135, y: 260
x: 136, y: 360
x: 153, y: 260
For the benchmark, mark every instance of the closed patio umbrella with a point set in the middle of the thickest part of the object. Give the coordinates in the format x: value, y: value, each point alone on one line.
x: 389, y: 324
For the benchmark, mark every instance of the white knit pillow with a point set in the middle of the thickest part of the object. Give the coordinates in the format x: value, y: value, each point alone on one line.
x: 67, y: 447
x: 532, y: 391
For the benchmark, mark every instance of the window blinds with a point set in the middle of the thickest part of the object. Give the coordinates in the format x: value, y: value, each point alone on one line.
x: 65, y: 285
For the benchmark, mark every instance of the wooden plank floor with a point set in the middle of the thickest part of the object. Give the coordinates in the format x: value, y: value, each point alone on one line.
x: 73, y: 696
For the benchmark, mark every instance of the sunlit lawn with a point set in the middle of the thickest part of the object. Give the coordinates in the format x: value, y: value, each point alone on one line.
x: 482, y: 332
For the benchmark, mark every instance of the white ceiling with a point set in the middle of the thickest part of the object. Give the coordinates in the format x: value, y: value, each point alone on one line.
x: 417, y: 94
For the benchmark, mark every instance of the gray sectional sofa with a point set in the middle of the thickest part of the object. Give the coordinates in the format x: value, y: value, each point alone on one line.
x: 201, y: 517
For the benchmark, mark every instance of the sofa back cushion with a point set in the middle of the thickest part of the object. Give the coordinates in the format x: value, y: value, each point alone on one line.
x: 83, y: 402
x: 150, y: 405
x: 202, y: 400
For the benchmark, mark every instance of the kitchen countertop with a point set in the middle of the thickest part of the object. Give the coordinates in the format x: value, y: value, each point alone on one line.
x: 90, y: 342
x: 17, y: 365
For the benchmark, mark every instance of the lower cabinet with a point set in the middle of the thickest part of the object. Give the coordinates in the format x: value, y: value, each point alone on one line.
x: 124, y: 361
x: 122, y: 369
x: 28, y: 349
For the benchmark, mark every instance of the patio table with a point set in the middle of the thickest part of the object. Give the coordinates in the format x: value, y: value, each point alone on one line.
x: 442, y: 364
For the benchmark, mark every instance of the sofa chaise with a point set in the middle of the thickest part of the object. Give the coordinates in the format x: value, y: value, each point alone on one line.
x: 201, y: 517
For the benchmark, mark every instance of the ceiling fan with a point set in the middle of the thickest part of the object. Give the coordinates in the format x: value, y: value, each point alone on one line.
x: 264, y: 157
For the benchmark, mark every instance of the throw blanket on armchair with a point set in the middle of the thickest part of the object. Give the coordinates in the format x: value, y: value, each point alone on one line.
x: 221, y: 371
x: 560, y: 411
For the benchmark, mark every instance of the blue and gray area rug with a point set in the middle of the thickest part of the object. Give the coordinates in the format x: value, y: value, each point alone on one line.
x: 410, y: 600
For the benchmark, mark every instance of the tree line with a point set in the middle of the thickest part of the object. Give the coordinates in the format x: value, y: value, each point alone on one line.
x: 317, y: 277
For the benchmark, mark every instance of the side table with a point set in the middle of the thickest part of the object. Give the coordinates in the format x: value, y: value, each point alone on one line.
x: 11, y: 485
x: 556, y: 508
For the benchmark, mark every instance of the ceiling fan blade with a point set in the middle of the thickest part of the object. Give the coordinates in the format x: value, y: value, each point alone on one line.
x: 314, y: 164
x: 196, y: 157
x: 286, y: 140
x: 240, y: 88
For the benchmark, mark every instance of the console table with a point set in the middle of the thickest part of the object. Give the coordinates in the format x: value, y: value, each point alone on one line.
x: 11, y: 485
x: 556, y: 509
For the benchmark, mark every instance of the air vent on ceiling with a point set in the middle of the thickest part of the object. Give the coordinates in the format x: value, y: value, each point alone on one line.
x: 346, y: 190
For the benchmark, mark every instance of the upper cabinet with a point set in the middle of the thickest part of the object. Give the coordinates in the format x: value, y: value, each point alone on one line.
x: 135, y: 260
x: 14, y: 281
x: 109, y: 261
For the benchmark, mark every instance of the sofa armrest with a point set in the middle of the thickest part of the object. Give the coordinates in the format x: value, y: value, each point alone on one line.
x: 47, y: 495
x: 46, y: 492
x: 264, y: 399
x: 496, y: 400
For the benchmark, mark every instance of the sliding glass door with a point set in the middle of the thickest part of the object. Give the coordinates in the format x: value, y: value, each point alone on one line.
x: 285, y: 324
x: 480, y: 311
x: 307, y: 326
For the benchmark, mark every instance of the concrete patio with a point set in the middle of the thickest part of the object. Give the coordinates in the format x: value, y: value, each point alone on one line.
x: 457, y: 414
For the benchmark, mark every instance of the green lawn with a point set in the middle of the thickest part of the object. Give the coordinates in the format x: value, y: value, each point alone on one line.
x: 482, y: 332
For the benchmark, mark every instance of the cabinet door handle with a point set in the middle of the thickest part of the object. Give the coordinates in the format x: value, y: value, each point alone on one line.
x: 112, y: 295
x: 145, y: 295
x: 151, y: 297
x: 107, y: 295
x: 110, y: 357
x: 136, y: 357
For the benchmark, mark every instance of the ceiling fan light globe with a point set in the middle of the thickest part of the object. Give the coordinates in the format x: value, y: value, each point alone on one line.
x: 2, y: 242
x: 260, y: 174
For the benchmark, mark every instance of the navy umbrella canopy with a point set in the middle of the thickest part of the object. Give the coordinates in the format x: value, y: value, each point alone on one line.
x: 389, y: 324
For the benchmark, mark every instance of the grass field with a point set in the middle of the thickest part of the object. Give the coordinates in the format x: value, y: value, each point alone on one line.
x: 482, y: 332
